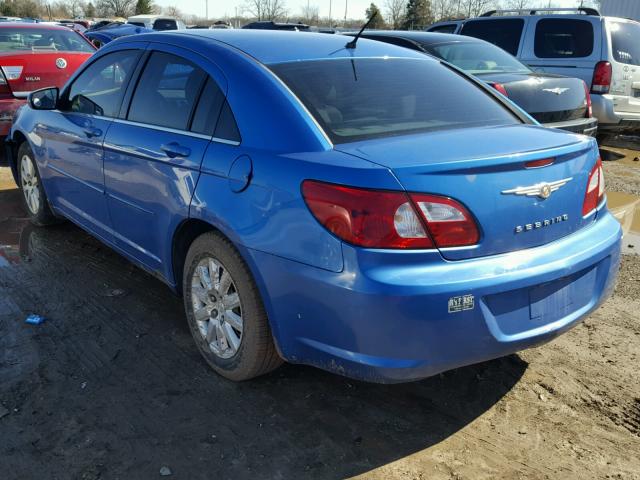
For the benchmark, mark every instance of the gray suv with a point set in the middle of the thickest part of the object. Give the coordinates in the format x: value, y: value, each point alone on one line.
x: 602, y: 51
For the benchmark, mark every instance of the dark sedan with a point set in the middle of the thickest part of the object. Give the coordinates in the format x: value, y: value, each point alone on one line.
x: 553, y: 100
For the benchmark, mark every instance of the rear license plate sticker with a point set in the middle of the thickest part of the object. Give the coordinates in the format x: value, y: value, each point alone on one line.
x: 461, y: 303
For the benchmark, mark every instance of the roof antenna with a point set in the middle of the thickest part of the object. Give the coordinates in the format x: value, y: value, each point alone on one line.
x: 352, y: 43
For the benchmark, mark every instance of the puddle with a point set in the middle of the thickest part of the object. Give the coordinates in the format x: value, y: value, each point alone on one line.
x: 626, y: 208
x: 13, y: 220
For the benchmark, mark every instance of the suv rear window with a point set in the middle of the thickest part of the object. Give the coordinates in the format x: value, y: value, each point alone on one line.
x: 165, y: 25
x: 625, y: 42
x: 360, y: 98
x: 450, y: 28
x: 563, y: 38
x: 504, y: 33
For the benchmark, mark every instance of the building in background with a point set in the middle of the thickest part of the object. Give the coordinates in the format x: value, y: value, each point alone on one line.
x: 621, y: 8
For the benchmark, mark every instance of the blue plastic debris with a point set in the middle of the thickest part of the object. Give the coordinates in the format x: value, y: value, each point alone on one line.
x: 34, y: 319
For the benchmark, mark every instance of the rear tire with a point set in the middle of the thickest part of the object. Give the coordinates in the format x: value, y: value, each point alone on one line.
x: 34, y: 197
x: 224, y: 310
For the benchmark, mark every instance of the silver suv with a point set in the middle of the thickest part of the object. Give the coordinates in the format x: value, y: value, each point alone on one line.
x: 603, y: 51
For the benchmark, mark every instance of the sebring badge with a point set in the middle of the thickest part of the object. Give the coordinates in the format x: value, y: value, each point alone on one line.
x: 527, y: 227
x: 557, y: 90
x: 61, y: 63
x: 542, y: 190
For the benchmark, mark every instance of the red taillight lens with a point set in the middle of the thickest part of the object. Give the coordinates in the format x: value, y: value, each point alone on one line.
x: 449, y: 223
x: 383, y: 219
x: 595, y: 189
x: 601, y: 78
x: 499, y: 87
x: 544, y: 162
x: 587, y: 94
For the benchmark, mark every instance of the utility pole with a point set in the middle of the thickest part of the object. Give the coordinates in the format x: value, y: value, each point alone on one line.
x: 346, y: 6
x: 330, y: 13
x: 206, y: 8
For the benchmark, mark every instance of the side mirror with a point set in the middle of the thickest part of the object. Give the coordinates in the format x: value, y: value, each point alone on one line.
x: 44, y: 99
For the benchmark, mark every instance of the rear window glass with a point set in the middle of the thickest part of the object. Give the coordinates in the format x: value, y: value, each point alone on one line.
x: 165, y: 25
x: 42, y: 40
x: 477, y: 58
x: 504, y: 33
x: 625, y: 42
x: 562, y: 38
x: 355, y: 99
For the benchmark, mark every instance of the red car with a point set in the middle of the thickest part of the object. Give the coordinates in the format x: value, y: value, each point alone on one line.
x: 34, y: 56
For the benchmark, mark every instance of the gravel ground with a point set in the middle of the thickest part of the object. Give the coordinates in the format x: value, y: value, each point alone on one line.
x: 111, y: 386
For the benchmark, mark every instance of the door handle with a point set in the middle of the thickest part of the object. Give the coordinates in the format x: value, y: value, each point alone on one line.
x: 174, y: 149
x: 92, y: 132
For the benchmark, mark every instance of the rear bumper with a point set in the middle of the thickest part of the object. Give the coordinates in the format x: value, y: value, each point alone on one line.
x: 611, y: 120
x: 585, y: 126
x: 400, y: 316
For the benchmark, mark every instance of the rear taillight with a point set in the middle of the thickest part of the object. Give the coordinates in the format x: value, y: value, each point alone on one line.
x: 601, y: 81
x: 587, y: 95
x: 595, y: 189
x: 383, y: 219
x: 499, y: 87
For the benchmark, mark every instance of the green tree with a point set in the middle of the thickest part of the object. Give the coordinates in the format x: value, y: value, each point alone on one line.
x: 378, y: 21
x: 419, y: 14
x: 144, y: 7
x: 89, y: 10
x: 8, y: 8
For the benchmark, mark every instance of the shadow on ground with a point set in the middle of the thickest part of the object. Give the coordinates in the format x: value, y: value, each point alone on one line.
x: 111, y: 386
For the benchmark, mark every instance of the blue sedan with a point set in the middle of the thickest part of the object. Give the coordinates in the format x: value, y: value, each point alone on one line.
x: 362, y: 208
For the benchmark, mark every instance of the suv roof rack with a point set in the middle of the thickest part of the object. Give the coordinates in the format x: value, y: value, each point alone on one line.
x: 537, y: 11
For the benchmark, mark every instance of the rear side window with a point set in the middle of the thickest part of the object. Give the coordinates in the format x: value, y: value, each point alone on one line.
x: 504, y: 33
x: 625, y: 42
x: 443, y: 28
x: 99, y: 89
x: 361, y: 98
x: 167, y: 92
x: 208, y: 110
x: 563, y: 38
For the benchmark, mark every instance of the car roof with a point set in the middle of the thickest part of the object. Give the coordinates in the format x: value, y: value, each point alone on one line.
x: 426, y: 37
x: 275, y: 46
x: 41, y: 25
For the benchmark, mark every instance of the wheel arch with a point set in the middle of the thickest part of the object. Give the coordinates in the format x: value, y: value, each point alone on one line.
x: 17, y: 139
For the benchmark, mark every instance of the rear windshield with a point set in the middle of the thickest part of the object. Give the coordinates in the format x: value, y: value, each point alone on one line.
x: 36, y: 39
x: 356, y: 99
x: 625, y: 42
x: 477, y: 58
x: 444, y: 28
x: 165, y: 25
x: 503, y: 32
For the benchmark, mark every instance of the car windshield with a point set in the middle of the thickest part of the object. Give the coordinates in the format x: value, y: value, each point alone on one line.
x: 477, y: 58
x: 42, y: 39
x: 355, y: 99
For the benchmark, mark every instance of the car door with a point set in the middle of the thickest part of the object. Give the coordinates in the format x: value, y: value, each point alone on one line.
x: 74, y: 134
x: 564, y: 45
x: 154, y: 151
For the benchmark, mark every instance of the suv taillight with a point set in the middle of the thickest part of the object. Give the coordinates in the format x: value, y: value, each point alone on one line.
x: 595, y: 189
x: 385, y: 219
x: 587, y: 94
x: 601, y: 81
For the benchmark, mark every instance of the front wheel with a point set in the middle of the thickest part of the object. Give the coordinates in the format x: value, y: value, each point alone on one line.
x: 33, y: 195
x: 225, y: 312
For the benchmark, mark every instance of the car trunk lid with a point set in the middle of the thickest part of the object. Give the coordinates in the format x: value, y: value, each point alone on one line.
x: 29, y: 71
x: 483, y: 168
x: 547, y: 98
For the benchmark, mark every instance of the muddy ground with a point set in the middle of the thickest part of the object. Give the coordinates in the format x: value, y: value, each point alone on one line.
x: 111, y: 386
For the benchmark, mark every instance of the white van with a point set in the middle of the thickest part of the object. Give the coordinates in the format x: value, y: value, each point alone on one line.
x: 156, y: 22
x: 603, y: 51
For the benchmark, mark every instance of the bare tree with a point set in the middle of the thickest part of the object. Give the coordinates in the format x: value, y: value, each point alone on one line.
x: 310, y: 14
x: 395, y: 10
x: 116, y: 8
x: 266, y: 9
x: 172, y: 11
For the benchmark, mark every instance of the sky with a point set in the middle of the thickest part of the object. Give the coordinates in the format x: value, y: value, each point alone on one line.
x: 355, y: 8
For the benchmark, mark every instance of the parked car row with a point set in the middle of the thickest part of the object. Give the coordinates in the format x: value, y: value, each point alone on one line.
x: 328, y: 200
x: 602, y: 51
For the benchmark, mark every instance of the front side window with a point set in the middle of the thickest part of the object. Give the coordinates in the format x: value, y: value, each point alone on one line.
x: 99, y: 89
x: 167, y: 92
x: 563, y: 38
x: 360, y: 98
x: 625, y: 42
x: 477, y: 58
x: 504, y: 33
x: 33, y: 39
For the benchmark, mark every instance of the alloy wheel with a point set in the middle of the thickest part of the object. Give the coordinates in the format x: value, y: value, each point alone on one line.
x: 29, y: 182
x: 216, y: 307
